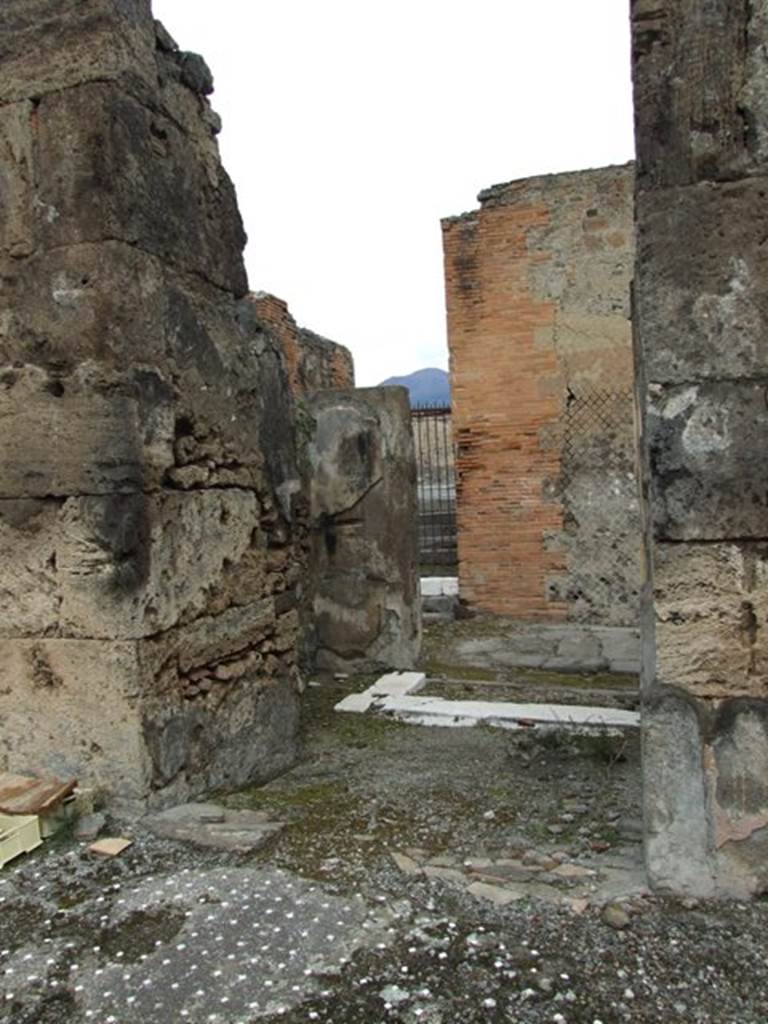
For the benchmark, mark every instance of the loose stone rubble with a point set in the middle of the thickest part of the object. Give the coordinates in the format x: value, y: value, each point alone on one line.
x: 527, y: 873
x: 323, y: 923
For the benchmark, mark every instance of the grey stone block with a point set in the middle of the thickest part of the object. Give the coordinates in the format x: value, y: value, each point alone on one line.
x: 700, y: 91
x: 711, y: 604
x: 677, y: 832
x: 620, y: 647
x: 740, y: 794
x: 78, y: 435
x: 701, y: 309
x: 214, y: 825
x: 366, y: 598
x: 132, y: 181
x: 439, y: 604
x: 49, y: 47
x: 707, y: 483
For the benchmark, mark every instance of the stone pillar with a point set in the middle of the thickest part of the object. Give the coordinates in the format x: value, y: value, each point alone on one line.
x: 148, y: 550
x: 537, y: 297
x: 701, y: 325
x: 364, y: 585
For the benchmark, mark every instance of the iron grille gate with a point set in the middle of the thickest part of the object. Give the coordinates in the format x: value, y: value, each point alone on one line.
x: 435, y: 462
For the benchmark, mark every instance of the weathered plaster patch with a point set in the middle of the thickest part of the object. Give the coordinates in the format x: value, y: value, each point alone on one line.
x: 737, y: 770
x: 679, y: 403
x: 708, y: 430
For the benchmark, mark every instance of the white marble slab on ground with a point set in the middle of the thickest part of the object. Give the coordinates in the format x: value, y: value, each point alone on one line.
x: 356, y: 702
x: 398, y: 684
x: 439, y: 586
x: 506, y: 715
x: 393, y: 684
x: 394, y: 694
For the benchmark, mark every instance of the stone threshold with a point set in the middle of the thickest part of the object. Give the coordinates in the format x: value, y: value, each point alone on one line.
x: 439, y: 586
x: 394, y: 694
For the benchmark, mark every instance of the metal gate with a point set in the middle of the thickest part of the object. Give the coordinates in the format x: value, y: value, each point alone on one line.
x: 435, y: 461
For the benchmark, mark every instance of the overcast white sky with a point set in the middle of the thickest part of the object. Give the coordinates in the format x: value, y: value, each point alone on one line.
x: 352, y: 126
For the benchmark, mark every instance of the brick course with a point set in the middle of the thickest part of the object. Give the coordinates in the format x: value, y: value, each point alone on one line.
x: 313, y: 363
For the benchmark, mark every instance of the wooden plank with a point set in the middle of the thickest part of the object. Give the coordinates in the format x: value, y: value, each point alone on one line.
x: 110, y: 847
x: 24, y: 794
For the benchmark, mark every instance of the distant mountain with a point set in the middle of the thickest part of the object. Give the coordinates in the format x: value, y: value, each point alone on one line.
x: 425, y: 387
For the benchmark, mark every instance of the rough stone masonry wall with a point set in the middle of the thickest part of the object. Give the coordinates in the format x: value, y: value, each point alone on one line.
x: 537, y: 289
x: 363, y: 582
x: 313, y: 363
x: 701, y: 107
x: 360, y: 598
x: 148, y: 545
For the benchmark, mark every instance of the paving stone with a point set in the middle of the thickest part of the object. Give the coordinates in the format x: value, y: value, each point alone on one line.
x: 578, y: 904
x: 444, y: 861
x: 89, y: 826
x: 543, y: 860
x: 110, y: 847
x: 503, y: 873
x: 446, y: 874
x: 573, y: 871
x: 478, y: 863
x: 214, y: 825
x: 615, y: 916
x: 542, y: 891
x: 417, y: 852
x: 494, y: 893
x: 406, y: 864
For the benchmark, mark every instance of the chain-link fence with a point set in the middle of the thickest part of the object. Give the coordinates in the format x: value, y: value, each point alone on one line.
x: 597, y: 431
x: 598, y: 491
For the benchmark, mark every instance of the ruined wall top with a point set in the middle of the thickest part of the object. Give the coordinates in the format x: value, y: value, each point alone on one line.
x: 313, y: 363
x: 50, y: 45
x: 701, y: 91
x: 539, y: 187
x: 120, y: 93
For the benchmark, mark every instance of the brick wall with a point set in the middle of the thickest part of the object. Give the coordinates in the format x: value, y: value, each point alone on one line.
x: 537, y: 292
x: 313, y: 363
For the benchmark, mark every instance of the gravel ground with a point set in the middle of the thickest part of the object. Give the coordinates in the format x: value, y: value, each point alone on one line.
x: 401, y: 946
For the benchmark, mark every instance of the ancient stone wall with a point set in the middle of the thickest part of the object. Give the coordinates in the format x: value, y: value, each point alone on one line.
x: 364, y: 576
x: 313, y: 363
x: 701, y: 285
x: 360, y: 602
x: 149, y: 547
x: 537, y: 288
